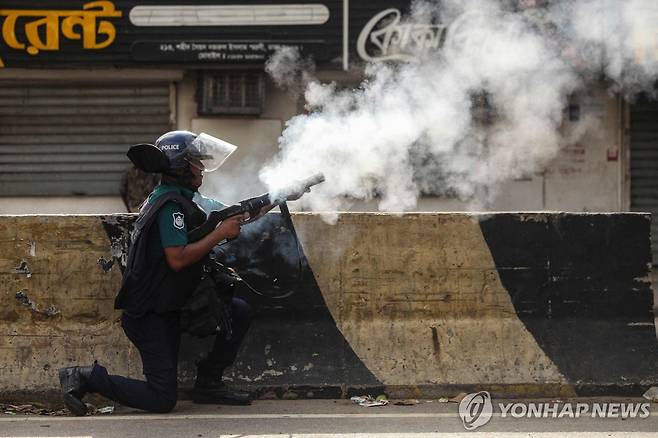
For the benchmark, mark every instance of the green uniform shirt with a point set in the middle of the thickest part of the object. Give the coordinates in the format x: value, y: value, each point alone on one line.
x: 171, y: 227
x: 171, y: 219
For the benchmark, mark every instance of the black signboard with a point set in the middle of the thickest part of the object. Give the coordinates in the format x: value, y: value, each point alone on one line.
x: 216, y: 50
x: 127, y: 33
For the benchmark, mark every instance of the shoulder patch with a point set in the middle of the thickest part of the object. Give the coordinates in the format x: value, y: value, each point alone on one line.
x: 179, y: 220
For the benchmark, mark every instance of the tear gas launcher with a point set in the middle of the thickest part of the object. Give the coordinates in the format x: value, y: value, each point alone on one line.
x: 253, y: 206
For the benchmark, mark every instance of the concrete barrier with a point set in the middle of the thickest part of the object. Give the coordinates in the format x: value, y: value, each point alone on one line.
x: 423, y: 305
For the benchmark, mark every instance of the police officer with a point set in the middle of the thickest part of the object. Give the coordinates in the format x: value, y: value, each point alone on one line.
x: 163, y: 269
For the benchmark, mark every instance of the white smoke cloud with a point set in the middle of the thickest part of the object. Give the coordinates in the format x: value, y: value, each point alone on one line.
x: 413, y: 127
x: 289, y: 70
x: 618, y: 38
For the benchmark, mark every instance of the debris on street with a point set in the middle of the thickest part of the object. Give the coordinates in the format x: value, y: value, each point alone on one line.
x: 409, y: 402
x: 458, y: 398
x: 30, y: 409
x: 368, y: 401
x: 105, y: 410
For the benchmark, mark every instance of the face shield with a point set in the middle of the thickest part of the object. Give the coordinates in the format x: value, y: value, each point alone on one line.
x: 209, y: 152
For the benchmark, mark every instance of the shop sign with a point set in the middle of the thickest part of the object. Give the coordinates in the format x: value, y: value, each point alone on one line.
x: 387, y: 38
x: 43, y: 29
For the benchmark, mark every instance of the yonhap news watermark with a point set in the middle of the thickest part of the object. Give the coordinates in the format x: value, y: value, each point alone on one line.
x: 476, y: 409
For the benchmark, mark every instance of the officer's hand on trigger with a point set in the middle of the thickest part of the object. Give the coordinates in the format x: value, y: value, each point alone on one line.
x: 231, y: 226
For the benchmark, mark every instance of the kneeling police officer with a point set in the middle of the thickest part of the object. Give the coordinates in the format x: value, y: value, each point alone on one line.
x: 162, y: 271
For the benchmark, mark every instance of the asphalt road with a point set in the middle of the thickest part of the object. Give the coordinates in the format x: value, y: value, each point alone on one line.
x: 322, y: 419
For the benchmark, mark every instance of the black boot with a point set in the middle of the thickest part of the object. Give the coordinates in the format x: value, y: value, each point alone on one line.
x: 73, y: 381
x: 209, y: 389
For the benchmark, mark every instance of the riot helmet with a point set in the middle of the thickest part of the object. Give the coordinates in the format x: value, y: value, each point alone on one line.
x: 184, y: 147
x: 175, y: 152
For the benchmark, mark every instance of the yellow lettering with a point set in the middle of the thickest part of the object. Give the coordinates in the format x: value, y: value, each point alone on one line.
x: 9, y: 29
x: 76, y: 25
x: 87, y: 21
x: 51, y: 21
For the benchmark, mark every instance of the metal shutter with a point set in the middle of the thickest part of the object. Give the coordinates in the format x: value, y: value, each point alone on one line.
x: 58, y: 139
x: 644, y: 164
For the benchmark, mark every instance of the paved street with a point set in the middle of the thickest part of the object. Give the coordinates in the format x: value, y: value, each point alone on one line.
x: 319, y: 419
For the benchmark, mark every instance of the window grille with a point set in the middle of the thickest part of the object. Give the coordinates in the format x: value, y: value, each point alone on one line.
x: 232, y: 92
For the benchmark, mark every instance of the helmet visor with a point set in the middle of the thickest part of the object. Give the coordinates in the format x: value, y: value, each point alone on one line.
x: 210, y: 151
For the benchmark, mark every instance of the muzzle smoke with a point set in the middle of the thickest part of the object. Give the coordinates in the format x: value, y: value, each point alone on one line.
x: 485, y: 107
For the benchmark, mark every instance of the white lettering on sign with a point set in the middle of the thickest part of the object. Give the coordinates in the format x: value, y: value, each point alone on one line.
x: 395, y: 41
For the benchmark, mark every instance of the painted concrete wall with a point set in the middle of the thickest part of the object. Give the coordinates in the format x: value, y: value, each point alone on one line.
x: 67, y: 314
x: 417, y: 304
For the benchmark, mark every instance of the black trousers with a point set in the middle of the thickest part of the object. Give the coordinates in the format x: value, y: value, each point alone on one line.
x: 157, y: 337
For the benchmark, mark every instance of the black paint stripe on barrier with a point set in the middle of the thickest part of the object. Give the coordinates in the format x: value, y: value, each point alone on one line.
x: 293, y: 342
x: 579, y: 283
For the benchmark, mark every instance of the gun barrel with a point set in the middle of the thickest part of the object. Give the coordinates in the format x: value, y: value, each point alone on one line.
x: 313, y: 180
x: 251, y: 205
x: 298, y: 187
